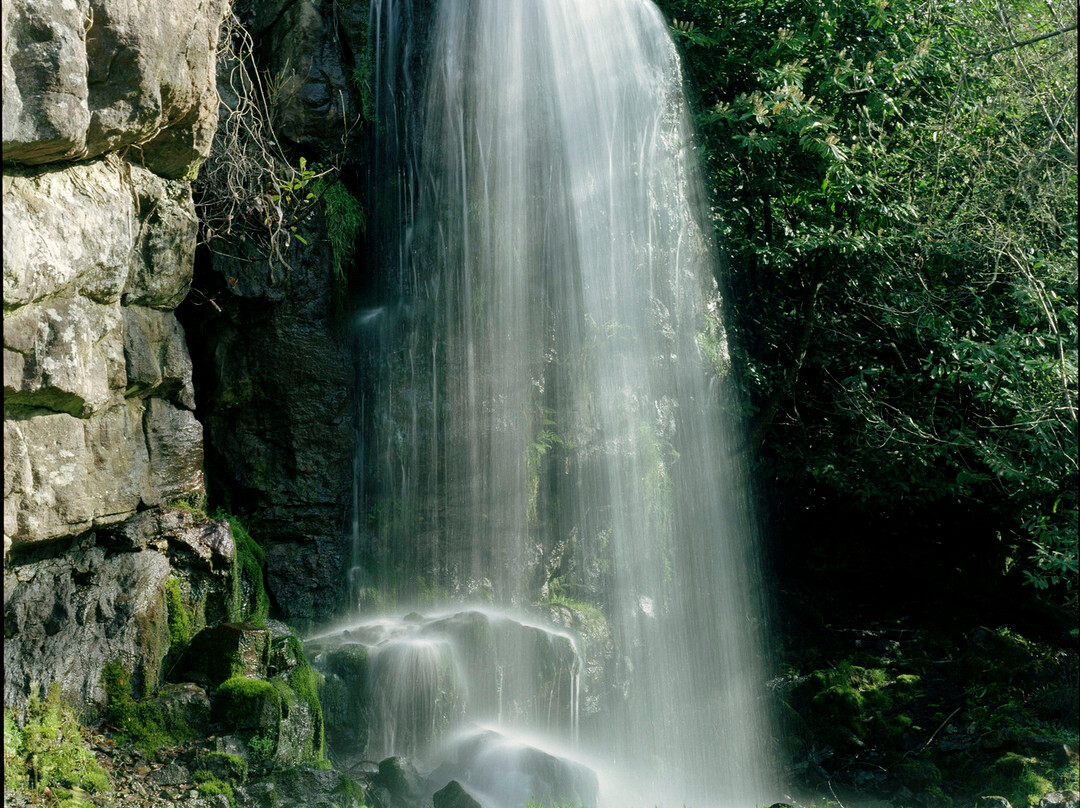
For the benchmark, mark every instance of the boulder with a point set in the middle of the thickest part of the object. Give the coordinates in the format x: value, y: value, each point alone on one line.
x: 185, y: 704
x: 303, y: 787
x: 401, y: 780
x: 1060, y: 799
x: 66, y: 616
x: 453, y: 795
x: 226, y: 650
x: 86, y: 77
x: 508, y: 771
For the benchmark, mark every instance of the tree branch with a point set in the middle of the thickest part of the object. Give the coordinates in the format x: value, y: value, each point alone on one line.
x: 1033, y: 40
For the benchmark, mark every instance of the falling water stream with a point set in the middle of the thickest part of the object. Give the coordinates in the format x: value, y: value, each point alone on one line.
x: 545, y: 420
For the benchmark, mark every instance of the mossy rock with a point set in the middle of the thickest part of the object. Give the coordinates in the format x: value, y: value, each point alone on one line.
x: 921, y: 776
x: 1022, y: 780
x: 227, y: 650
x: 174, y: 716
x: 223, y: 766
x: 242, y: 703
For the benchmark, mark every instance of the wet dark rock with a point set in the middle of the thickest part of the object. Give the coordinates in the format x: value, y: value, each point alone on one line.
x: 225, y: 650
x: 274, y: 384
x: 303, y: 787
x: 453, y: 795
x: 186, y: 704
x: 512, y: 772
x: 68, y: 615
x: 260, y: 795
x: 400, y: 778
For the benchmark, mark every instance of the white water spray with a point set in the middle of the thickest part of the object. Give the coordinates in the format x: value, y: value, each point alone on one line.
x: 546, y: 417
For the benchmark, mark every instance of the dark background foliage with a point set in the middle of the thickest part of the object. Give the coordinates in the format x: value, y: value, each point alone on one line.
x: 893, y: 187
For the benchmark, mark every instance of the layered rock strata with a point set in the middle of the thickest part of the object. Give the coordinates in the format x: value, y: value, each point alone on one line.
x: 109, y: 110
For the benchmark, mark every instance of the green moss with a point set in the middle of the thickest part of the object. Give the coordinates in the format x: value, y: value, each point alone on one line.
x: 180, y: 622
x: 349, y: 791
x: 52, y: 750
x: 195, y: 505
x: 305, y: 681
x: 344, y: 223
x: 240, y: 701
x: 250, y: 601
x: 1020, y: 780
x: 233, y: 767
x: 210, y: 786
x: 144, y: 723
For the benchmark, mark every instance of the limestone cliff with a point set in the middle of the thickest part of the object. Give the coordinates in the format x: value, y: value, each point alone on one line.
x: 109, y: 109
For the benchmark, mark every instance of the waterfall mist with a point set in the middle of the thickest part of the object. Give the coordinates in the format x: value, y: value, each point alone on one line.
x: 545, y: 417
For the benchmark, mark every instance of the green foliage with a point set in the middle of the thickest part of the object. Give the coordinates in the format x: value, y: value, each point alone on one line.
x: 344, y: 224
x: 51, y: 751
x: 14, y: 766
x: 261, y: 747
x: 250, y: 601
x: 144, y: 723
x: 1020, y: 780
x: 898, y: 215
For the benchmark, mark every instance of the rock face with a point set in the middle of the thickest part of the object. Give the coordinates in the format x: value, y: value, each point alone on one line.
x: 69, y: 613
x: 97, y: 378
x: 98, y: 399
x: 275, y: 394
x: 97, y: 394
x: 86, y: 77
x: 274, y: 367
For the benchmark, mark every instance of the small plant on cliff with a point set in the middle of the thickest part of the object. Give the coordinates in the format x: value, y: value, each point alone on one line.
x: 51, y: 751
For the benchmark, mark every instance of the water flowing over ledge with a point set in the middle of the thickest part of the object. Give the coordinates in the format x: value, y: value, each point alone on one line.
x: 546, y: 418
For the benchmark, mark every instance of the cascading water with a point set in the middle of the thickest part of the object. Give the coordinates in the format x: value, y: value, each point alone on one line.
x: 544, y: 421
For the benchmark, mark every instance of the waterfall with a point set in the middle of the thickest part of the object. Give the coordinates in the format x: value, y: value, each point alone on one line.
x: 545, y: 365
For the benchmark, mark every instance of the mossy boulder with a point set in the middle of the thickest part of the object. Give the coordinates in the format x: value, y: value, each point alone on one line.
x: 242, y: 703
x: 1022, y: 780
x: 224, y: 766
x: 174, y: 716
x: 185, y: 704
x: 225, y: 651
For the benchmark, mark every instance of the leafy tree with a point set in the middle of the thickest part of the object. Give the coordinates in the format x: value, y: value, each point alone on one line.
x: 894, y: 187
